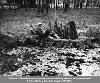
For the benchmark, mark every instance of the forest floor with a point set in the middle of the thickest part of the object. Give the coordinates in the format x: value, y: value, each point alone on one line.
x: 19, y: 21
x: 51, y: 60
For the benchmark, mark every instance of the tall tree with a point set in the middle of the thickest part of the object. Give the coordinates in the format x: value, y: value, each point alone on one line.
x: 87, y: 3
x: 33, y: 4
x: 66, y: 5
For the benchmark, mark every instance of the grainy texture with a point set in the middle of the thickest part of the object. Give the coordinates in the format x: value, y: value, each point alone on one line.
x: 23, y: 55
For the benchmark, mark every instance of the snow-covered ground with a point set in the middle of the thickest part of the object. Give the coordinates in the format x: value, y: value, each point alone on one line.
x: 56, y: 62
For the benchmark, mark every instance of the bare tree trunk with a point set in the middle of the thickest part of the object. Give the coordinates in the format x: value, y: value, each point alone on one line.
x: 77, y: 4
x: 66, y: 5
x: 39, y: 6
x: 33, y: 4
x: 74, y: 4
x: 81, y: 4
x: 87, y: 2
x: 47, y: 6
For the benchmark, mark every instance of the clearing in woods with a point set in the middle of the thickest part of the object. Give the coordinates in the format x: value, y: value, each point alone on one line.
x: 81, y: 59
x: 16, y: 22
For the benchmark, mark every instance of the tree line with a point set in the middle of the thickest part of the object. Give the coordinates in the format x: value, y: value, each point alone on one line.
x: 44, y: 5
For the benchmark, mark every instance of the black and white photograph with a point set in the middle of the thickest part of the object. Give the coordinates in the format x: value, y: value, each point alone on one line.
x: 50, y: 38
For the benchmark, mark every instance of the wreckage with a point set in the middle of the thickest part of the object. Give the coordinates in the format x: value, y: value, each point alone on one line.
x: 66, y: 32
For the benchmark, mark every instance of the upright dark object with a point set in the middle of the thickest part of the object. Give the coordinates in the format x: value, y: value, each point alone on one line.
x: 81, y: 4
x: 66, y: 31
x: 55, y: 26
x: 73, y: 31
x: 87, y: 3
x: 66, y: 5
